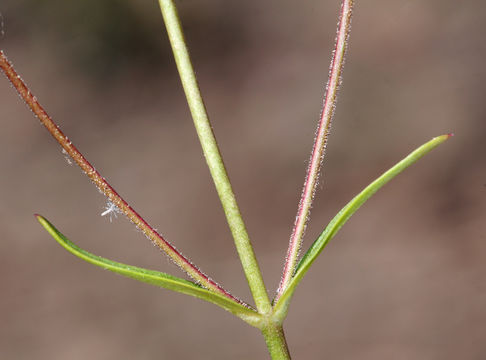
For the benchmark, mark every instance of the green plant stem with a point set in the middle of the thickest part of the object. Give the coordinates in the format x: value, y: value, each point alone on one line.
x: 276, y: 343
x: 213, y: 156
x: 318, y: 150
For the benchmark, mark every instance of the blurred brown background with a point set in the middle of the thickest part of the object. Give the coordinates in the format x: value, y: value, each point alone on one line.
x: 404, y: 279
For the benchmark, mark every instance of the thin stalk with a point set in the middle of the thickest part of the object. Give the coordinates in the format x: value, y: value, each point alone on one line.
x: 213, y: 156
x: 276, y: 343
x: 103, y: 186
x: 319, y: 147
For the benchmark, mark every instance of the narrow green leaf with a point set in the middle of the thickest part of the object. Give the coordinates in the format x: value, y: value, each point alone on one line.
x: 340, y: 219
x: 154, y: 277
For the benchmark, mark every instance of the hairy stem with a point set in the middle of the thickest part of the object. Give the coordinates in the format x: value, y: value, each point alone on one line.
x: 319, y: 147
x: 103, y: 185
x: 276, y: 343
x: 213, y: 156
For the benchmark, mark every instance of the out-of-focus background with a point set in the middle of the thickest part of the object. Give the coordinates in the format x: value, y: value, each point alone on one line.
x: 404, y: 279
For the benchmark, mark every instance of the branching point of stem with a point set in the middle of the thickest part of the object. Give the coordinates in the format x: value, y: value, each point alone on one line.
x: 319, y: 147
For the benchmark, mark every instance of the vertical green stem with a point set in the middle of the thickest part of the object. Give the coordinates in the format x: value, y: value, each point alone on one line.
x: 276, y: 343
x: 213, y: 156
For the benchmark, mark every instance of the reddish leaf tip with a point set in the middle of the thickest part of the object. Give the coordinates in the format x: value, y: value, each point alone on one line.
x: 39, y: 217
x: 450, y: 135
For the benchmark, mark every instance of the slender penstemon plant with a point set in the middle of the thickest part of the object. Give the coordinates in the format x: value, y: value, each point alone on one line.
x: 268, y: 316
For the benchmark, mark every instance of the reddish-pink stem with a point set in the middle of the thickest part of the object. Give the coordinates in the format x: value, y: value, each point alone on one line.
x: 103, y: 185
x: 320, y: 142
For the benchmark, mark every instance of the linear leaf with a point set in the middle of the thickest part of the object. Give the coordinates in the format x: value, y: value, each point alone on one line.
x: 154, y: 277
x: 340, y: 219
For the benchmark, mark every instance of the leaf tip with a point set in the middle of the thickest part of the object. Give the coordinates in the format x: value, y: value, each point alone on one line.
x: 444, y: 137
x: 44, y: 222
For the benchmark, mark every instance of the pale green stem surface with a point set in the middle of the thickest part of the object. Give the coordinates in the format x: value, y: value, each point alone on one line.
x: 276, y: 343
x: 213, y: 156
